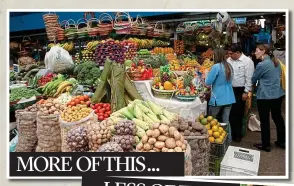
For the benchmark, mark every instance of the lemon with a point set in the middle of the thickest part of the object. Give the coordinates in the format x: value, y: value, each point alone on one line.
x: 216, y: 134
x: 218, y: 140
x: 210, y: 132
x: 211, y: 139
x: 215, y: 128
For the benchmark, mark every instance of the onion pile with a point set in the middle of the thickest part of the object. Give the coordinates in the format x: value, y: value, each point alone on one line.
x: 131, y: 49
x: 111, y: 49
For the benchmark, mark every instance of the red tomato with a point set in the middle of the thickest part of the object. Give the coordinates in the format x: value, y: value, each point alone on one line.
x: 82, y: 98
x: 99, y: 107
x: 104, y: 105
x: 96, y: 111
x: 93, y: 107
x: 100, y: 114
x: 73, y: 103
x: 108, y: 112
x: 96, y: 106
x: 101, y: 118
x: 68, y: 104
x: 101, y: 111
x: 106, y: 115
x: 99, y: 104
x: 86, y: 97
x: 77, y: 101
x: 88, y: 103
x: 107, y: 108
x: 82, y: 102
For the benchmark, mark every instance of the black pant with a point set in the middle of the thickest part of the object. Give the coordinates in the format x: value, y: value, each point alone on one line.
x: 237, y: 113
x: 264, y: 109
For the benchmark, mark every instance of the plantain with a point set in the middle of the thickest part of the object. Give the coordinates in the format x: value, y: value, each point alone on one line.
x: 62, y: 86
x: 68, y: 88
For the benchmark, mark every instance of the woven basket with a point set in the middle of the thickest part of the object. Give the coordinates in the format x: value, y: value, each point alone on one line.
x: 164, y: 94
x: 92, y: 27
x: 150, y: 31
x: 82, y: 28
x: 122, y: 27
x: 60, y: 31
x: 105, y: 25
x: 51, y: 24
x: 158, y: 29
x: 180, y: 29
x: 70, y: 29
x: 136, y: 76
x: 142, y: 25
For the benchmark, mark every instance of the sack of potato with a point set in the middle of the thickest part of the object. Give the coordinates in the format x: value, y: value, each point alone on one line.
x: 27, y: 126
x: 48, y: 133
x: 98, y: 134
x: 164, y: 138
x: 74, y: 117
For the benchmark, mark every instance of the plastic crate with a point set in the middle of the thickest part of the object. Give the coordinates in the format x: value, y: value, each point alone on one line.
x: 214, y: 165
x: 240, y: 162
x: 219, y: 150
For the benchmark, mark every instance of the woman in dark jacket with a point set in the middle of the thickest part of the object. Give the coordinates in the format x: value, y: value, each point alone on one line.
x: 269, y: 97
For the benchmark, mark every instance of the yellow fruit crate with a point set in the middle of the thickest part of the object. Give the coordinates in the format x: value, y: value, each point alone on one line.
x: 219, y: 149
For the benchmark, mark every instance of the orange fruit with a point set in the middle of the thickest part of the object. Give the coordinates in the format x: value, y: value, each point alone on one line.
x: 168, y: 85
x: 216, y: 134
x: 218, y: 140
x: 210, y: 132
x: 211, y: 139
x: 215, y: 128
x: 209, y: 118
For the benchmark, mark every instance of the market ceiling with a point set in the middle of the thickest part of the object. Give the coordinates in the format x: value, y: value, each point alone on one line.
x: 25, y: 21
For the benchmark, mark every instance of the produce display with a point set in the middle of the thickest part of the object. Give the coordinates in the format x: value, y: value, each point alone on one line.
x: 208, y: 54
x: 45, y: 79
x: 91, y: 46
x: 75, y: 113
x: 102, y: 110
x: 216, y: 133
x: 50, y: 106
x: 125, y: 127
x: 131, y: 49
x: 87, y: 73
x: 58, y: 86
x: 98, y: 134
x: 186, y: 86
x: 110, y: 147
x: 143, y: 53
x: 166, y: 80
x: 22, y: 93
x: 156, y: 61
x: 84, y: 56
x: 163, y: 50
x: 191, y: 128
x: 69, y: 46
x: 27, y: 73
x: 77, y: 140
x: 79, y: 100
x: 32, y: 108
x: 125, y: 141
x: 162, y: 138
x: 140, y: 71
x: 179, y: 47
x: 148, y: 43
x: 110, y: 49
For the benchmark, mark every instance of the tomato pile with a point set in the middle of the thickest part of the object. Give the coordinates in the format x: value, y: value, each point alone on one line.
x: 83, y: 100
x: 103, y: 110
x: 45, y: 79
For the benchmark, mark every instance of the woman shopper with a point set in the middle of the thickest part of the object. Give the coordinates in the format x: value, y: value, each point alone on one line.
x: 269, y: 97
x: 222, y: 95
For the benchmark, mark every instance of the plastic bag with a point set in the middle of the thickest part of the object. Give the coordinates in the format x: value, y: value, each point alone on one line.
x: 13, y: 142
x: 254, y: 123
x: 58, y: 60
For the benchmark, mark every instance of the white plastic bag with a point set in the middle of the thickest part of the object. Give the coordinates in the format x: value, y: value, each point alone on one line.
x: 58, y: 60
x: 13, y: 142
x: 254, y: 123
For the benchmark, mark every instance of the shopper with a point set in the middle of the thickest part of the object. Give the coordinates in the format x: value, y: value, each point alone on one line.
x: 222, y: 95
x: 269, y: 97
x: 243, y: 68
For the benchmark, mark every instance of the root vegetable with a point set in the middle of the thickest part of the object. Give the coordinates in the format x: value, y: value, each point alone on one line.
x: 159, y: 144
x: 163, y: 128
x: 197, y: 126
x: 140, y: 146
x: 182, y: 139
x: 152, y: 141
x: 147, y: 147
x: 155, y: 126
x: 152, y: 151
x: 171, y: 150
x: 149, y: 133
x: 197, y: 134
x: 144, y: 139
x: 187, y: 133
x: 171, y: 131
x: 164, y: 149
x: 162, y: 138
x: 184, y: 146
x: 170, y: 143
x: 178, y: 149
x: 177, y: 135
x: 110, y: 147
x: 179, y: 143
x: 156, y: 149
x: 156, y: 133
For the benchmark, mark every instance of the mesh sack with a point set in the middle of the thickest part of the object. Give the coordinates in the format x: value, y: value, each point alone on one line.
x: 48, y: 133
x: 27, y: 126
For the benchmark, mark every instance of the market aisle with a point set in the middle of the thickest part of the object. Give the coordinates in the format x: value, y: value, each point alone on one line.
x: 272, y: 163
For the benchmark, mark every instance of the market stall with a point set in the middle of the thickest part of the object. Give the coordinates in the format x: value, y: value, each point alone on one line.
x: 117, y: 83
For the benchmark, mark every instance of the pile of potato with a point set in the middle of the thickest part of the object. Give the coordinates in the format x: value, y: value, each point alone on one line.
x: 75, y: 113
x: 190, y: 128
x: 32, y: 108
x: 98, y: 134
x: 50, y: 106
x: 162, y: 138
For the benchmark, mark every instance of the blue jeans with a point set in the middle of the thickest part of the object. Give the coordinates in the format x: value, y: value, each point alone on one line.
x: 225, y: 115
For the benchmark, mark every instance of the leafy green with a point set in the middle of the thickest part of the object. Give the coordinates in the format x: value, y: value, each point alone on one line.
x: 87, y: 73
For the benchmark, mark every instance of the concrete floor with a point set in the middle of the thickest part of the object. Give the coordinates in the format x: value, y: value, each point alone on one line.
x: 271, y: 163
